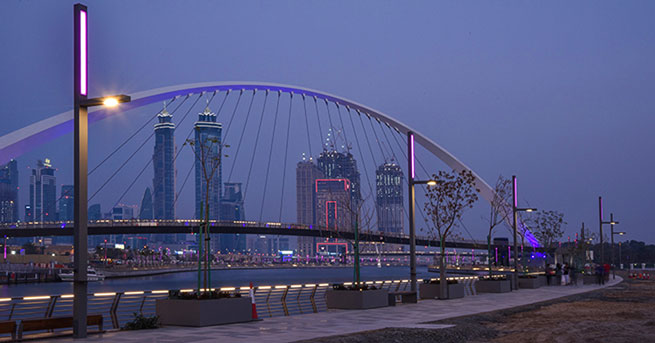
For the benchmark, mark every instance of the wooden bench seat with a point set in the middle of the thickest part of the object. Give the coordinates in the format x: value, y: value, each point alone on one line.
x: 9, y: 327
x: 39, y: 324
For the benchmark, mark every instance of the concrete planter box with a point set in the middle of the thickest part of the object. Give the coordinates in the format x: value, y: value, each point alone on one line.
x: 529, y: 283
x: 542, y: 280
x: 204, y: 312
x: 493, y: 286
x: 357, y: 300
x: 433, y: 291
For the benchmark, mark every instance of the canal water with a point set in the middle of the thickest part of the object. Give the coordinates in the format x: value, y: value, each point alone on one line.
x: 220, y: 278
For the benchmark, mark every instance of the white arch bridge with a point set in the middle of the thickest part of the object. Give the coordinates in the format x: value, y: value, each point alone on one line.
x: 20, y: 141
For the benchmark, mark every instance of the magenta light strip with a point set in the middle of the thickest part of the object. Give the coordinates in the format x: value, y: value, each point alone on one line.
x: 83, y: 53
x: 411, y: 150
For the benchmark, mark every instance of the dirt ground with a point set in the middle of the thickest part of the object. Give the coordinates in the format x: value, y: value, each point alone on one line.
x: 622, y: 313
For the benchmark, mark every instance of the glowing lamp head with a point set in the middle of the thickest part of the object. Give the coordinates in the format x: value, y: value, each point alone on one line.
x: 110, y: 102
x: 432, y: 183
x: 529, y: 210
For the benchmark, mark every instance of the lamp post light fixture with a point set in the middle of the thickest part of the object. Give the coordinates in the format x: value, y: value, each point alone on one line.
x: 515, y: 211
x: 80, y: 193
x: 412, y: 199
x: 612, y: 222
x: 601, y: 223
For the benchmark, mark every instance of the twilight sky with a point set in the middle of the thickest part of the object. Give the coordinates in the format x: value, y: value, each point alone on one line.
x: 559, y: 93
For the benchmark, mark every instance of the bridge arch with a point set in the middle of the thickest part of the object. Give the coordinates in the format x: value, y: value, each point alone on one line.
x: 20, y: 141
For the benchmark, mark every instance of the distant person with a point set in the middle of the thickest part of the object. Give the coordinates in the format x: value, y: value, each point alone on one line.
x: 599, y: 274
x: 606, y: 270
x: 549, y: 274
x: 565, y: 274
x: 558, y: 274
x: 573, y: 274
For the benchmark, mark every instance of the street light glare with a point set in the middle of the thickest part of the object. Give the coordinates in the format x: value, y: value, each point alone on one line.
x: 110, y: 102
x: 529, y: 210
x: 432, y: 183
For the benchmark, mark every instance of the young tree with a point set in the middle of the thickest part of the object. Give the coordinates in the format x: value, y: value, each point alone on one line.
x: 547, y: 227
x: 208, y: 152
x: 446, y: 202
x: 499, y: 209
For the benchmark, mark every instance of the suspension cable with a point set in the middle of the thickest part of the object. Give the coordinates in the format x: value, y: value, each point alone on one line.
x: 130, y: 138
x: 320, y: 128
x: 252, y: 158
x: 270, y: 153
x: 333, y: 133
x: 129, y: 158
x: 232, y: 118
x: 359, y: 148
x: 377, y: 139
x: 151, y: 158
x: 309, y: 141
x: 343, y: 128
x: 236, y: 154
x: 286, y: 153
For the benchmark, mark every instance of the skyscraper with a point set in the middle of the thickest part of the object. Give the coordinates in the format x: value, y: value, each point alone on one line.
x: 9, y: 192
x: 43, y: 192
x: 389, y: 198
x: 163, y: 182
x: 334, y: 210
x: 232, y: 209
x: 66, y: 203
x: 146, y: 211
x: 335, y: 165
x: 207, y: 149
x: 306, y: 175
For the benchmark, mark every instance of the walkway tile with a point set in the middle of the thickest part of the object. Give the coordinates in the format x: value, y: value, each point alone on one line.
x: 339, y: 322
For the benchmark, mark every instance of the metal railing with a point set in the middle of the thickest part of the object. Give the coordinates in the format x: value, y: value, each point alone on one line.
x: 118, y: 308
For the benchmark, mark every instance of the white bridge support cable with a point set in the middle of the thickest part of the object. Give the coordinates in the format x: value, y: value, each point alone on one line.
x: 20, y: 141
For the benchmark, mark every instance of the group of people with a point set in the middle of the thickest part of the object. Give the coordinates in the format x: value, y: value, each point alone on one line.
x: 602, y: 273
x: 565, y: 274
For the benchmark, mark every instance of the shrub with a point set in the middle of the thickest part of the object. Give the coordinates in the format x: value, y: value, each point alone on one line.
x: 141, y: 322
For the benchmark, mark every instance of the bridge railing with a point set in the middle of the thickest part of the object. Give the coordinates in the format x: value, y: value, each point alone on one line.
x: 194, y: 222
x: 118, y: 308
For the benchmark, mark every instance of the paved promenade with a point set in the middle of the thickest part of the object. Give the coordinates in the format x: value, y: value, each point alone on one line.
x: 339, y: 322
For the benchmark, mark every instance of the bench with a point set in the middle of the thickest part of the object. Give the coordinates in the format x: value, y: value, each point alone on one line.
x: 406, y: 297
x: 9, y: 327
x: 39, y: 324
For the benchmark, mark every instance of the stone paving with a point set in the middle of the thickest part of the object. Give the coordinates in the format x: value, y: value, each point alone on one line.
x: 339, y: 322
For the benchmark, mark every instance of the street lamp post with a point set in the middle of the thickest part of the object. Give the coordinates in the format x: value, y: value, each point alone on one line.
x: 80, y: 193
x: 612, y: 222
x: 515, y: 211
x: 601, y: 222
x: 412, y: 199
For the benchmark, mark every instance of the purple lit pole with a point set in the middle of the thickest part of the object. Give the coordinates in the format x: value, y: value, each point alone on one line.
x: 81, y: 168
x: 412, y: 196
x: 80, y: 146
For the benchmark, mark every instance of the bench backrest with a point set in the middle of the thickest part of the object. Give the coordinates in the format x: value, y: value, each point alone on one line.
x: 57, y: 322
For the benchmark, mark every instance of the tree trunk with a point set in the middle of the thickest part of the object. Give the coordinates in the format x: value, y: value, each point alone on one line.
x: 442, y: 272
x: 489, y: 254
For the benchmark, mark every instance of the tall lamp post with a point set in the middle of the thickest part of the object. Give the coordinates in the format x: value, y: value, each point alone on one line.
x: 515, y: 211
x: 612, y: 222
x: 80, y: 112
x: 412, y: 200
x: 601, y: 223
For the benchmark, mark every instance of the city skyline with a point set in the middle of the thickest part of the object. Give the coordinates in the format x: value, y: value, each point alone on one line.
x: 554, y: 127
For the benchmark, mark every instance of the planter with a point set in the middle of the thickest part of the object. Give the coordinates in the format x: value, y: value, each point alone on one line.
x: 542, y: 280
x: 529, y: 283
x: 433, y: 290
x: 493, y: 286
x: 204, y: 312
x: 351, y: 300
